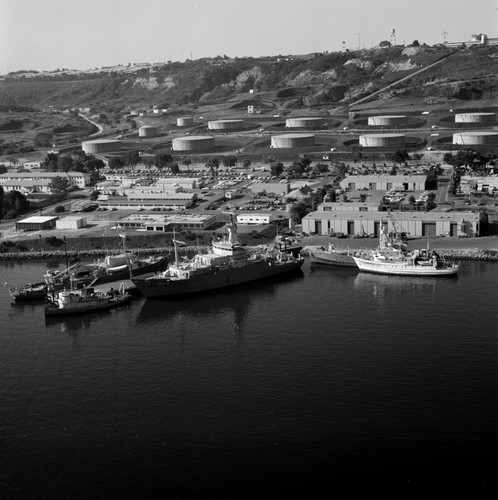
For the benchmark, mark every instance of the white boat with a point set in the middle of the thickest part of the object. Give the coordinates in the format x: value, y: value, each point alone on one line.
x: 395, y: 260
x: 84, y: 300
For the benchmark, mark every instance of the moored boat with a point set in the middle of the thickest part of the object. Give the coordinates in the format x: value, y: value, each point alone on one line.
x: 83, y: 300
x: 227, y: 264
x: 31, y: 291
x: 387, y: 259
x: 332, y: 256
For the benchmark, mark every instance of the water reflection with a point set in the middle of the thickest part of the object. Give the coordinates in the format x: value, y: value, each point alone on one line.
x: 227, y: 301
x: 383, y: 286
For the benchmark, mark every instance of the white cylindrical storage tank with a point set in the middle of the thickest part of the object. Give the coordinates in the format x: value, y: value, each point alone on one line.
x: 147, y: 131
x: 292, y: 141
x: 475, y: 138
x: 387, y: 121
x: 194, y: 143
x: 185, y: 121
x: 101, y: 146
x: 486, y: 118
x: 226, y: 124
x: 382, y: 140
x: 315, y: 122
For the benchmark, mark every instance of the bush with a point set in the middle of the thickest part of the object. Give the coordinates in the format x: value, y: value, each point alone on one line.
x: 54, y: 241
x: 60, y: 208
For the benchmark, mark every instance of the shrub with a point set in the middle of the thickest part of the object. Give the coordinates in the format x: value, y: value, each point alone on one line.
x: 59, y: 208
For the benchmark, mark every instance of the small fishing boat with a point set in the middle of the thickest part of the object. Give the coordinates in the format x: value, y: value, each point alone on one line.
x: 84, y: 300
x: 31, y: 291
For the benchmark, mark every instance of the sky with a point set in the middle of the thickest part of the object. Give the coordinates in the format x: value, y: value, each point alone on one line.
x: 44, y: 35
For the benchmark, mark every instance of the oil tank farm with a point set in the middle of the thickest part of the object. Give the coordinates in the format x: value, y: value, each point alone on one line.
x: 309, y: 123
x: 477, y: 118
x: 292, y: 140
x: 382, y: 140
x: 185, y: 121
x: 194, y: 144
x: 101, y: 146
x: 147, y: 131
x: 475, y: 138
x: 226, y: 124
x: 387, y: 121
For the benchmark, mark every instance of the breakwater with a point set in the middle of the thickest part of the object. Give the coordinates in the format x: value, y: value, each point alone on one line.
x: 455, y: 254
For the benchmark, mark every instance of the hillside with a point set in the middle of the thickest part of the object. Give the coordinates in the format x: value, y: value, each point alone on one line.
x: 295, y: 83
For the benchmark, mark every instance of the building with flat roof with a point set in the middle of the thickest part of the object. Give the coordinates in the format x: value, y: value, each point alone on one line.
x: 417, y: 224
x: 180, y: 222
x: 255, y: 218
x: 78, y: 179
x: 384, y: 182
x: 172, y: 201
x: 36, y: 223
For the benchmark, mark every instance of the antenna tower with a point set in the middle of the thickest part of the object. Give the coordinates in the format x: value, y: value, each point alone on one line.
x: 445, y: 34
x: 393, y: 37
x: 359, y: 39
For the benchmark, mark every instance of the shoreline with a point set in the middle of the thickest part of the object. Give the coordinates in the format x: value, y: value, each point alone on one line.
x: 479, y: 254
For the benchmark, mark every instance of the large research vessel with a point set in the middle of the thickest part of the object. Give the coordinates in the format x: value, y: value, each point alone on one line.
x: 227, y: 264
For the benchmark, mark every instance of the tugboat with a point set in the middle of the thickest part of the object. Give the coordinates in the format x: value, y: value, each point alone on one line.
x: 227, y: 264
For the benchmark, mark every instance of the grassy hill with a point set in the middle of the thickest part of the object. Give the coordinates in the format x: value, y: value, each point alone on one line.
x: 292, y: 82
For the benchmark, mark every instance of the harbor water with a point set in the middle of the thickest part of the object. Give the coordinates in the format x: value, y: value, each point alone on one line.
x: 328, y: 378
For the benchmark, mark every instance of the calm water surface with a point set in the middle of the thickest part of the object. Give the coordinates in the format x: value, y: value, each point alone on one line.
x: 325, y: 379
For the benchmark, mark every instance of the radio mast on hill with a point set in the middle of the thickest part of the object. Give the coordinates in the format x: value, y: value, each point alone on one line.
x: 359, y: 39
x: 393, y: 37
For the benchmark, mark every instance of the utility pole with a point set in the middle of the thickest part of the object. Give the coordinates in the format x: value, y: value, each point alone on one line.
x: 444, y: 33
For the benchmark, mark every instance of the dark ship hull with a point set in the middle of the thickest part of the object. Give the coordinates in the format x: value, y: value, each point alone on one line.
x: 215, y: 278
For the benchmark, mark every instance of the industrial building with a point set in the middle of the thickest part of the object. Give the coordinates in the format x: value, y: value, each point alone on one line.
x: 278, y: 188
x: 476, y: 138
x: 147, y: 131
x: 481, y: 118
x: 185, y: 121
x: 100, y: 146
x: 292, y: 141
x: 226, y: 125
x: 254, y: 218
x: 368, y: 223
x: 382, y: 140
x: 39, y: 181
x: 387, y: 121
x: 162, y: 223
x: 36, y: 223
x: 71, y: 222
x: 384, y: 182
x: 309, y: 123
x: 158, y: 201
x: 194, y: 144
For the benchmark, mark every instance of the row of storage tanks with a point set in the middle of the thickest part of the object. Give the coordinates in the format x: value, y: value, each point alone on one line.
x: 205, y: 143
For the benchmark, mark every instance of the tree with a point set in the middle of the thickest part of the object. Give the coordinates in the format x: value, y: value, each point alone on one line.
x: 384, y: 44
x: 187, y: 162
x: 430, y: 203
x: 229, y: 161
x: 59, y: 185
x: 15, y: 201
x: 298, y: 211
x: 295, y: 170
x: 116, y: 163
x: 162, y: 160
x: 3, y: 169
x: 276, y: 168
x: 415, y: 43
x: 400, y: 156
x: 131, y: 158
x: 246, y: 163
x: 64, y: 163
x: 174, y: 167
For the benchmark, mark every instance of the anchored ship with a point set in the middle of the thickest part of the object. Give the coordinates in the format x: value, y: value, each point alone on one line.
x: 227, y: 264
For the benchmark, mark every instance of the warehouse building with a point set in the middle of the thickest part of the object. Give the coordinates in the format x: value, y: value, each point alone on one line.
x: 163, y: 223
x: 71, y: 222
x: 384, y: 182
x: 417, y: 224
x: 36, y: 223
